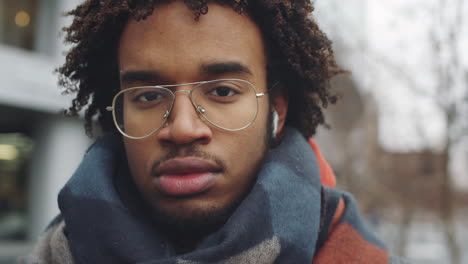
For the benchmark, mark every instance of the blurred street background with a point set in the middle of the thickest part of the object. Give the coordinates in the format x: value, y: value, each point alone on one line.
x: 397, y: 139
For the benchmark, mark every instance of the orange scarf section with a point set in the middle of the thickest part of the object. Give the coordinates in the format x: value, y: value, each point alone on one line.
x: 327, y: 177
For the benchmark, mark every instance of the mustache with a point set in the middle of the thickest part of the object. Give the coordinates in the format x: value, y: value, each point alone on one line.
x: 190, y: 151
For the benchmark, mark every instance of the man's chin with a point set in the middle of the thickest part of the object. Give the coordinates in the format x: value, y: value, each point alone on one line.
x: 198, y: 222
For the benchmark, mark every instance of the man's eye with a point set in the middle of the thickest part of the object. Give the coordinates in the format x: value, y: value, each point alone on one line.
x: 148, y: 97
x: 223, y: 91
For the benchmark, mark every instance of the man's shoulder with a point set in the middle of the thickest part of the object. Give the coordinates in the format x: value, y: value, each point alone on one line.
x: 51, y: 247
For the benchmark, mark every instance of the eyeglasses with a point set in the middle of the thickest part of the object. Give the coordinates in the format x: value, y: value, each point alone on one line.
x: 227, y: 104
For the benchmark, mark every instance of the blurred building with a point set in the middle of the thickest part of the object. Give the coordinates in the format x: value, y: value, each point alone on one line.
x: 417, y: 176
x: 364, y: 167
x: 39, y: 149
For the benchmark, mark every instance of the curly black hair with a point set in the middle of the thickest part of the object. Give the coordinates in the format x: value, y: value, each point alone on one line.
x: 300, y: 57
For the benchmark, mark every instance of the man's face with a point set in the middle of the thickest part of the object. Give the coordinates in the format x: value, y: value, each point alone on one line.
x: 190, y: 169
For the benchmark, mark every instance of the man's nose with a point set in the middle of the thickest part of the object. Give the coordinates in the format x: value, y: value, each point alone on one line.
x: 184, y: 125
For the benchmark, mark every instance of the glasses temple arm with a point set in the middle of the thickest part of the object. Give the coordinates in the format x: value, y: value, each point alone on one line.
x: 258, y: 95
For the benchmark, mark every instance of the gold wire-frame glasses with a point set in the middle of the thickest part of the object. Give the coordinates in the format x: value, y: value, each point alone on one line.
x: 227, y: 104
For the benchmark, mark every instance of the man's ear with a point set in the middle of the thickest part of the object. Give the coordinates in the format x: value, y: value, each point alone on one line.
x: 280, y: 105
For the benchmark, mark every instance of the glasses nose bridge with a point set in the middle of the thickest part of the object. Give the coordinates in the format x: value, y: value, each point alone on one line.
x: 189, y: 93
x: 191, y: 87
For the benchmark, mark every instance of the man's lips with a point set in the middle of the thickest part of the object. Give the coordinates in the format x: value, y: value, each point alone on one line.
x: 187, y: 165
x: 186, y: 176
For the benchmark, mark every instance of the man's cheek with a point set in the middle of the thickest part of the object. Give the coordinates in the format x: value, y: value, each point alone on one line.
x: 138, y: 159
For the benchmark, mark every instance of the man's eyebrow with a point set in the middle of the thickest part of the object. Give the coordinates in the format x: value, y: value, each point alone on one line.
x: 220, y: 68
x: 139, y: 76
x: 153, y: 76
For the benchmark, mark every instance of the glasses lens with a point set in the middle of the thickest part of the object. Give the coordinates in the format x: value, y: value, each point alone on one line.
x: 141, y: 111
x: 228, y: 104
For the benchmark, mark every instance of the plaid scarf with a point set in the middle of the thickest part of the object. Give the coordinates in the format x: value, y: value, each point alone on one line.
x: 288, y: 217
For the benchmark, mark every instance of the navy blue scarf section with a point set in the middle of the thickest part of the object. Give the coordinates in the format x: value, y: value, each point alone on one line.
x: 278, y: 221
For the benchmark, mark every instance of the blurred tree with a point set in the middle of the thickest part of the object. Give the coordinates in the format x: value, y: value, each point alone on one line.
x: 451, y: 88
x: 429, y: 39
x: 449, y: 95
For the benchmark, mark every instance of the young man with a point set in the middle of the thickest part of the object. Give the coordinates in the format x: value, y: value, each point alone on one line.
x: 206, y: 107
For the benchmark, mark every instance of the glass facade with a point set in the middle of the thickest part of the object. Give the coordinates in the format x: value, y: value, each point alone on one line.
x: 15, y: 151
x: 18, y: 23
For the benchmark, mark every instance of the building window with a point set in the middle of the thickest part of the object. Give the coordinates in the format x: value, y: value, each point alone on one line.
x: 18, y: 23
x: 15, y: 151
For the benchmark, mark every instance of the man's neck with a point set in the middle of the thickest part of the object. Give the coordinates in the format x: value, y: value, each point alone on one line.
x: 184, y: 245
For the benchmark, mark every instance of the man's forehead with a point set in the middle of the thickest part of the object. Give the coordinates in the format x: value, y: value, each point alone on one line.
x: 176, y: 15
x: 171, y: 34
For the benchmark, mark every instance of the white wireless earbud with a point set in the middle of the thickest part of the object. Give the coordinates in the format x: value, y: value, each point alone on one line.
x: 275, y: 124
